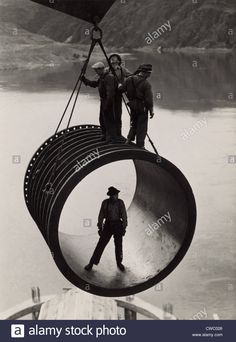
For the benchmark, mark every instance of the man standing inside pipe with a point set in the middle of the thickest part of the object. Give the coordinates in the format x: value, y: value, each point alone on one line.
x: 112, y: 221
x: 121, y: 75
x: 140, y: 95
x: 107, y: 88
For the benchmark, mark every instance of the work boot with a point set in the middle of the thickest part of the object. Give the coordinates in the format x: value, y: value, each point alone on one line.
x: 89, y: 267
x: 121, y: 267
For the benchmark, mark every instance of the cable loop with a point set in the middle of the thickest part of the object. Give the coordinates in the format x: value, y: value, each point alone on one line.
x: 96, y: 34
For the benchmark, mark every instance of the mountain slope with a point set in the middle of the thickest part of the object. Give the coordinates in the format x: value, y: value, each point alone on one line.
x: 202, y: 24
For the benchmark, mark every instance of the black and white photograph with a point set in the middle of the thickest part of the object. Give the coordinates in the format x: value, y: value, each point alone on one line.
x: 118, y: 160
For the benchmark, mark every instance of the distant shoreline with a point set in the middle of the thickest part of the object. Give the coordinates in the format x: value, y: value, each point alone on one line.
x: 77, y: 53
x: 187, y: 50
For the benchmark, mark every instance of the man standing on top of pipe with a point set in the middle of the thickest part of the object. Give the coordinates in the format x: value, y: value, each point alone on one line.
x: 112, y: 220
x: 140, y: 95
x: 107, y: 87
x: 121, y: 75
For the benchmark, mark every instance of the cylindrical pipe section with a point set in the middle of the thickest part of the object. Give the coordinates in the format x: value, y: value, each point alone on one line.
x: 162, y: 215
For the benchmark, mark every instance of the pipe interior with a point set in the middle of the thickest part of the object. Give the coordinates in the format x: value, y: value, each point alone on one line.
x: 157, y: 224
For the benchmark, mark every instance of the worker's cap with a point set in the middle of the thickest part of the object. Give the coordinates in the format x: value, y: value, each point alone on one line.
x: 145, y: 68
x: 112, y: 191
x: 98, y: 65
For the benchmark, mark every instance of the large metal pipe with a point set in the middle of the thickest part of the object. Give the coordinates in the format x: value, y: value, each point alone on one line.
x: 162, y: 215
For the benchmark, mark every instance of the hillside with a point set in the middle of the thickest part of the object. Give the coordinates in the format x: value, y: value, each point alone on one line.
x: 204, y: 24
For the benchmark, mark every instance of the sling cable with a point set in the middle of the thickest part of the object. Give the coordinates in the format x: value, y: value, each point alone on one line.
x: 161, y: 188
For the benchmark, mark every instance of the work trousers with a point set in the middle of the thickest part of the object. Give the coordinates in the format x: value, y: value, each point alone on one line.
x: 118, y: 114
x: 107, y: 121
x: 138, y: 128
x: 111, y: 228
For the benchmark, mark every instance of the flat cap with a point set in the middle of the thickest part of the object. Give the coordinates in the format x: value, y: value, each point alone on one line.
x: 98, y: 65
x: 145, y: 68
x: 112, y: 191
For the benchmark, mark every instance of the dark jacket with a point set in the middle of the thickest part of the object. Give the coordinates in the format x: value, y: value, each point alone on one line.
x: 138, y: 87
x: 112, y: 210
x: 107, y: 88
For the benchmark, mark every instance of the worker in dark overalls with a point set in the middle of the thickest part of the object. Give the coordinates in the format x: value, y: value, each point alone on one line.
x: 121, y: 75
x: 107, y: 87
x: 112, y: 221
x: 140, y: 95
